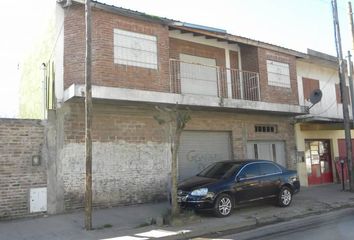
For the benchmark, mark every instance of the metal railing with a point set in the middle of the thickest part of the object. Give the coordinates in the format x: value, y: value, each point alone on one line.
x: 199, y: 79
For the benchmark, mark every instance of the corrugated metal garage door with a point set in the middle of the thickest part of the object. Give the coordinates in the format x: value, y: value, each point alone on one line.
x: 267, y: 150
x: 200, y: 148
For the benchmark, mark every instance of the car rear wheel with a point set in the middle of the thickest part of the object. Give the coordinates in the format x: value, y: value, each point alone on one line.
x: 223, y: 205
x: 285, y: 197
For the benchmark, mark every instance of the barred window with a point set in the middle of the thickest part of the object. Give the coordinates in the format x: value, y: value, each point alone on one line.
x: 278, y: 74
x: 135, y: 49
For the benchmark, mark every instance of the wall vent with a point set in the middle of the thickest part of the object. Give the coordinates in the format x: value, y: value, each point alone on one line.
x: 266, y: 128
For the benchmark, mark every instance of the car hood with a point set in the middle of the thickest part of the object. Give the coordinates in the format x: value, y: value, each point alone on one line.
x: 195, y: 182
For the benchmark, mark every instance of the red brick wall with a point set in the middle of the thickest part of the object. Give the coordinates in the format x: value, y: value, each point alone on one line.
x: 234, y: 60
x: 178, y: 46
x: 137, y: 125
x: 104, y: 71
x: 249, y: 58
x: 111, y: 123
x: 19, y: 141
x: 255, y: 60
x: 276, y: 94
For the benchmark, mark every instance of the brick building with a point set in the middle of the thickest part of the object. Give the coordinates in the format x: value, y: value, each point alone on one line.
x: 243, y: 95
x: 23, y: 175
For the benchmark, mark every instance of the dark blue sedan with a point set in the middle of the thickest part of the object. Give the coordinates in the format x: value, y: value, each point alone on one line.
x: 223, y: 185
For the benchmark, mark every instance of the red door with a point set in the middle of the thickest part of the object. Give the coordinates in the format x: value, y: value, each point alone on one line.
x: 318, y: 161
x: 342, y: 149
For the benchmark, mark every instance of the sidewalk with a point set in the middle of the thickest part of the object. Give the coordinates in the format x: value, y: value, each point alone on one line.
x: 127, y: 222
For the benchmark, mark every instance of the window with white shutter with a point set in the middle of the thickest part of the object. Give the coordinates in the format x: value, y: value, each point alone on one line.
x: 135, y: 49
x: 278, y: 74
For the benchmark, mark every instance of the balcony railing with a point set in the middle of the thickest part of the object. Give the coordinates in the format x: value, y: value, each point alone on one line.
x: 199, y: 79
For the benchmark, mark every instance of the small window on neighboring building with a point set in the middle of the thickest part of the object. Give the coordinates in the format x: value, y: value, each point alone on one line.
x: 265, y: 128
x: 135, y: 49
x: 308, y: 86
x: 278, y: 74
x: 338, y: 95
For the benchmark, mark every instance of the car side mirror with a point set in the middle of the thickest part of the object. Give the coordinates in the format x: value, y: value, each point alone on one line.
x: 238, y: 179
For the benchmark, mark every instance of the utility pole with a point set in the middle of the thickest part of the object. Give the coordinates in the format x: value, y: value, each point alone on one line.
x: 88, y: 120
x: 342, y: 84
x: 351, y: 165
x: 350, y: 79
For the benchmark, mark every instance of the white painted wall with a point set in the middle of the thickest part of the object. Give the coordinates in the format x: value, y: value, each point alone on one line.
x: 122, y: 172
x: 328, y: 77
x: 59, y: 54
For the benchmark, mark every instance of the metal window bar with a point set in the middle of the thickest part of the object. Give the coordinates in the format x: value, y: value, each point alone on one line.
x: 244, y: 84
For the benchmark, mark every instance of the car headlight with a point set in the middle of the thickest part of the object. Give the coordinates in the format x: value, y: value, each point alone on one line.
x: 294, y: 179
x: 200, y: 192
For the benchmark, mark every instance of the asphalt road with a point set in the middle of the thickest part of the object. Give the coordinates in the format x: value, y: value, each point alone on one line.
x: 330, y: 226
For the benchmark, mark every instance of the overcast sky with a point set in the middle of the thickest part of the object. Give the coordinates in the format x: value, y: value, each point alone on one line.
x: 295, y: 24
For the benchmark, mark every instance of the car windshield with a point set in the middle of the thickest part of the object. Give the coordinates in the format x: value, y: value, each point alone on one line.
x: 219, y: 170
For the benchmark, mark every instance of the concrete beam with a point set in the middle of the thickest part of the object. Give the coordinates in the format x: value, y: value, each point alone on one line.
x: 134, y: 95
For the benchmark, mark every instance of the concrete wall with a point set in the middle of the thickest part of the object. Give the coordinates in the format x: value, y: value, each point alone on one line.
x: 131, y: 158
x: 59, y: 53
x: 20, y: 140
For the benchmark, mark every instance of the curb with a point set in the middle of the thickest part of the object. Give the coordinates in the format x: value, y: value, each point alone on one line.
x: 218, y: 231
x: 243, y: 226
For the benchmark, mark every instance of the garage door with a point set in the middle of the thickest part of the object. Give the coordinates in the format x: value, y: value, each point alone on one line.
x: 200, y: 148
x: 267, y: 150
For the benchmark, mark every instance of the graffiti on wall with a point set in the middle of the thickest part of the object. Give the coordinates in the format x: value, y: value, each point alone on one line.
x: 202, y: 160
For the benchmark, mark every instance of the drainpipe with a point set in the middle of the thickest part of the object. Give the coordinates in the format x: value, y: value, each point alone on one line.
x: 44, y: 89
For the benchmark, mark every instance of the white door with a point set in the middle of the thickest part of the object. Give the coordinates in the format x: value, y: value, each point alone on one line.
x: 198, y: 75
x: 267, y: 150
x: 198, y: 149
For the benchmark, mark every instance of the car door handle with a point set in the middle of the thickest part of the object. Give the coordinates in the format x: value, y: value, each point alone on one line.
x: 255, y: 183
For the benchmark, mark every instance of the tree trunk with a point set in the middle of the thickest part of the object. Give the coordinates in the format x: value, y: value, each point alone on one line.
x: 174, y: 183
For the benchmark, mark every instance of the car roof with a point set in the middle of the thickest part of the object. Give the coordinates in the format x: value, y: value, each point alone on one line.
x: 245, y: 161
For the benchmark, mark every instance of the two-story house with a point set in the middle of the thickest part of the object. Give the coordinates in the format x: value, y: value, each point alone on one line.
x: 242, y: 94
x: 320, y: 134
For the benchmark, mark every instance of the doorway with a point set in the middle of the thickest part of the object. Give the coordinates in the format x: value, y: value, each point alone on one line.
x: 318, y: 161
x: 267, y: 150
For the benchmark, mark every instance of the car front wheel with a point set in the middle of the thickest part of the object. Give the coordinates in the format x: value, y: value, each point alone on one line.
x: 285, y: 196
x: 223, y: 205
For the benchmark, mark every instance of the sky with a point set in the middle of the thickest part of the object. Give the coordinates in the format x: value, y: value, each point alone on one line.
x: 295, y: 24
x: 21, y: 23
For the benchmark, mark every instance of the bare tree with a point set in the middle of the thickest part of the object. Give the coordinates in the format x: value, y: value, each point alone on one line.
x: 174, y: 120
